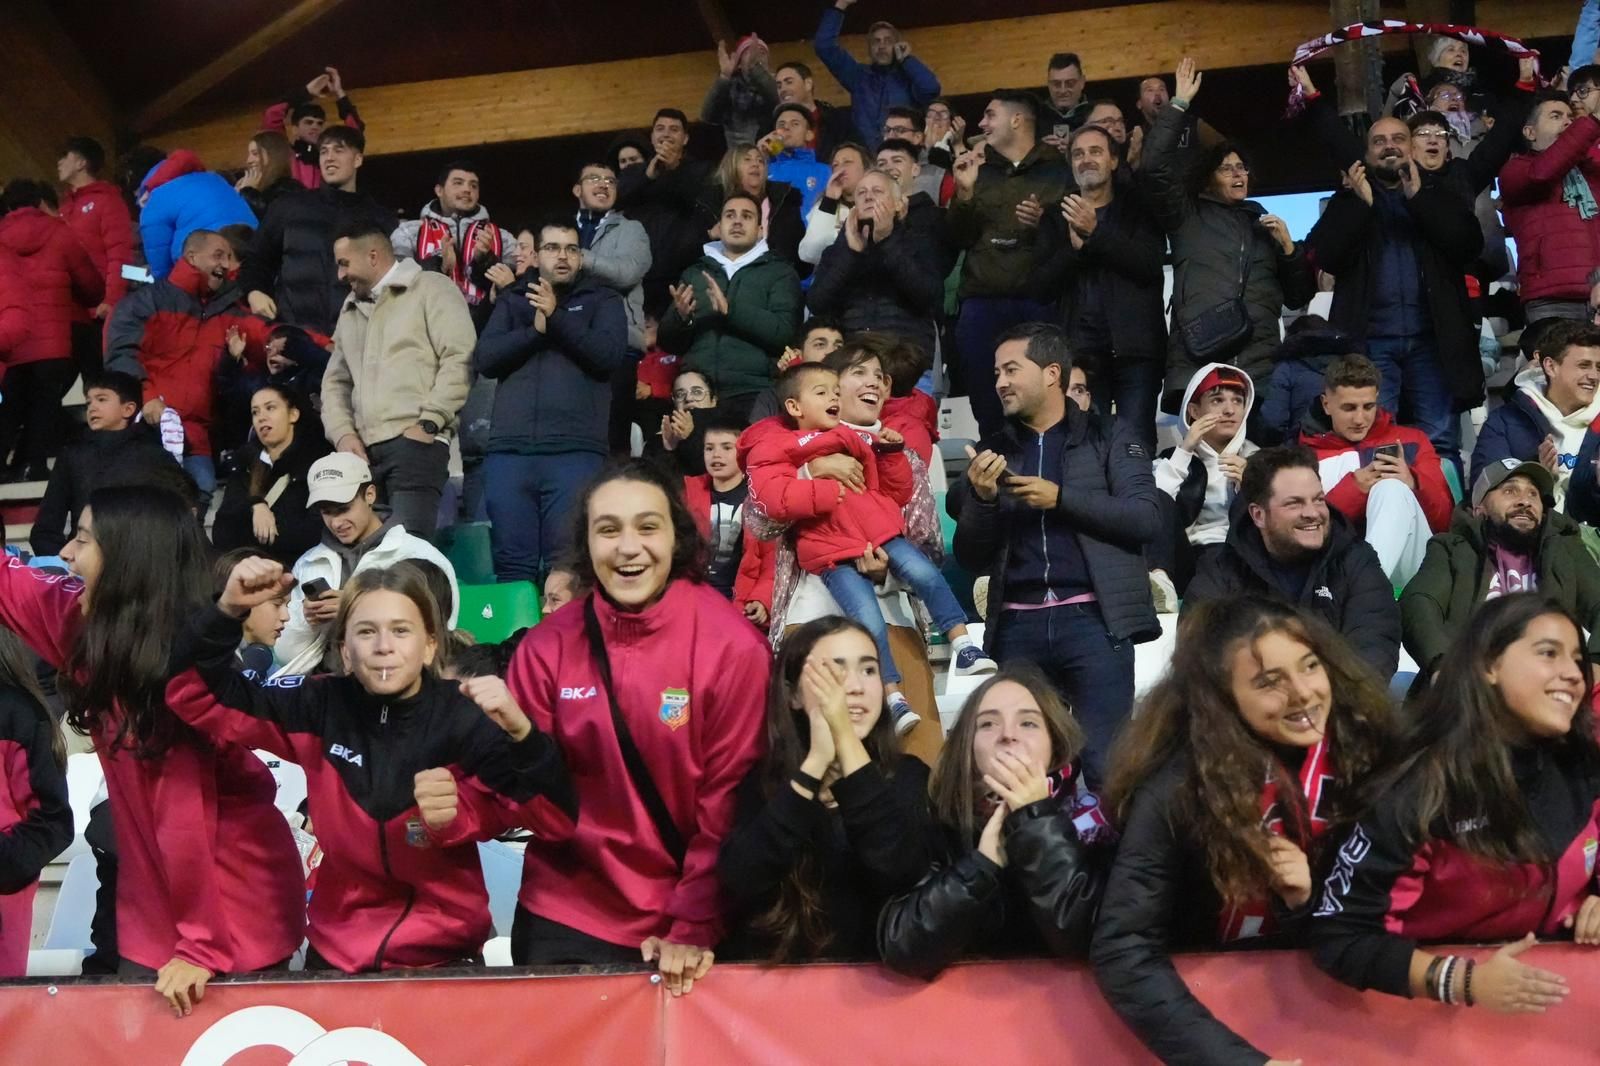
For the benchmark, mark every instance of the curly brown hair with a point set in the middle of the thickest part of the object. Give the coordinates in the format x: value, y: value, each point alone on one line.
x: 1192, y: 711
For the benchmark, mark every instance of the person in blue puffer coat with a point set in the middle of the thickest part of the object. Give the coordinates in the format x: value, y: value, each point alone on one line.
x: 179, y: 196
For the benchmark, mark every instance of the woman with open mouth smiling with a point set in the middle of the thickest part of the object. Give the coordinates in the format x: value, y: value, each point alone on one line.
x: 1227, y: 786
x: 1484, y: 828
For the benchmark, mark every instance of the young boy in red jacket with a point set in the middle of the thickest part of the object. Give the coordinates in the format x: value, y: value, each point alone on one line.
x: 834, y: 523
x: 740, y: 566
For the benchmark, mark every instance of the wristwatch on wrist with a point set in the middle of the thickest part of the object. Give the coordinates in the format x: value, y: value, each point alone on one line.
x: 429, y: 426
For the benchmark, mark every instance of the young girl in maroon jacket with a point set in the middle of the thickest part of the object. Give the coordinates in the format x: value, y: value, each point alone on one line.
x: 1486, y: 828
x: 653, y: 685
x: 209, y: 879
x: 405, y: 772
x: 35, y: 819
x: 834, y: 525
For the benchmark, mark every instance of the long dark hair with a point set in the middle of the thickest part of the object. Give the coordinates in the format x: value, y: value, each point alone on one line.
x: 16, y: 672
x: 797, y: 919
x: 1455, y: 749
x: 1192, y: 710
x: 688, y: 546
x: 155, y: 572
x: 261, y: 474
x: 955, y: 787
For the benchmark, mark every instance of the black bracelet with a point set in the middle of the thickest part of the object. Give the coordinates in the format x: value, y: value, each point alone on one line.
x: 807, y: 782
x: 1430, y: 980
x: 1466, y: 991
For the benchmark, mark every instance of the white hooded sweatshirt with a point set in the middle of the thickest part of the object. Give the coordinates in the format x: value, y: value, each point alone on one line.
x: 1211, y: 527
x: 1568, y: 429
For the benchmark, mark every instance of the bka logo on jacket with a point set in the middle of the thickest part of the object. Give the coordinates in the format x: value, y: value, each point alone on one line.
x: 675, y: 707
x: 339, y: 751
x: 577, y: 692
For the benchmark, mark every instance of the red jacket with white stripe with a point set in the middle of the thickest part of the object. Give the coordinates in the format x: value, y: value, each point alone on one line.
x: 35, y: 819
x: 207, y: 870
x: 691, y: 678
x: 1337, y: 459
x: 391, y: 891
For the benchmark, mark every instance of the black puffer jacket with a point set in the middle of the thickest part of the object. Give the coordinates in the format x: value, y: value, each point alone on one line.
x: 669, y: 209
x: 1347, y: 586
x: 1042, y: 901
x: 1108, y: 500
x: 291, y: 257
x: 1209, y: 240
x: 1159, y: 897
x: 299, y: 527
x: 554, y: 391
x: 1125, y: 253
x: 895, y: 285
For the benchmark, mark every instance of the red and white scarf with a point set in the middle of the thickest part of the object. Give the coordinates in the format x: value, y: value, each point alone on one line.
x: 1253, y: 919
x: 430, y: 240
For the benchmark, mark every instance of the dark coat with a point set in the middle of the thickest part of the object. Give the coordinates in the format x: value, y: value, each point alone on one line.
x: 554, y: 391
x: 895, y: 285
x: 291, y: 257
x: 299, y: 527
x: 1347, y: 586
x: 1453, y: 584
x: 669, y: 209
x: 1005, y: 257
x: 1126, y: 250
x: 1209, y: 239
x: 1346, y: 241
x: 102, y: 457
x: 1109, y: 501
x: 1516, y: 428
x: 1042, y: 900
x: 738, y: 352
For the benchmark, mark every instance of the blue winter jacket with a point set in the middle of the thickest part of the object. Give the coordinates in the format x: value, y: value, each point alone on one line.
x: 873, y: 89
x: 176, y: 208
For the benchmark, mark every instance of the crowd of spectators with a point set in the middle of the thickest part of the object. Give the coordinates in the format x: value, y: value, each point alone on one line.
x: 699, y: 408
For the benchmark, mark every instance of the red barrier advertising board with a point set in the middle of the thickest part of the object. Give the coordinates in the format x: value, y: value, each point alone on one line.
x: 1005, y: 1013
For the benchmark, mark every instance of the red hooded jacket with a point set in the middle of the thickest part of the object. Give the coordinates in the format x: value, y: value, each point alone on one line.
x: 57, y: 276
x: 757, y: 563
x: 831, y: 524
x: 391, y: 891
x: 691, y: 678
x: 1335, y: 453
x: 207, y: 870
x: 99, y: 218
x: 174, y: 335
x: 1556, y: 248
x: 13, y: 305
x: 916, y: 418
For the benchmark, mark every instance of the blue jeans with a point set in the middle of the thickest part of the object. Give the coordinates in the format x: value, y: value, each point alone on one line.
x: 1415, y: 393
x: 1091, y: 669
x: 204, y: 472
x: 531, y: 499
x: 857, y: 597
x: 983, y: 318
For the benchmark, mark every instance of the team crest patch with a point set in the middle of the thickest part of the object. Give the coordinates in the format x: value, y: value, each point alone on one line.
x: 1589, y: 849
x: 675, y: 707
x: 417, y: 834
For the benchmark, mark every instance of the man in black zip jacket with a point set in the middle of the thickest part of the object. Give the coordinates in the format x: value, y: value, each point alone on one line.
x: 664, y: 197
x: 553, y: 342
x: 1285, y: 543
x: 1056, y: 508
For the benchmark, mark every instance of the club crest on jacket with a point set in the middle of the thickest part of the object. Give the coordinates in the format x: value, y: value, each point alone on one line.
x: 675, y: 707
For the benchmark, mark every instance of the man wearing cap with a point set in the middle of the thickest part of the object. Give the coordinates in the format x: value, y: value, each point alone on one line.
x: 1511, y: 541
x: 1385, y: 478
x: 358, y: 535
x: 793, y: 163
x: 893, y: 78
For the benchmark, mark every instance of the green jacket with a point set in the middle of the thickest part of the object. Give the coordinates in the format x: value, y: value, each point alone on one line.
x: 1005, y: 257
x: 1454, y: 582
x: 738, y: 352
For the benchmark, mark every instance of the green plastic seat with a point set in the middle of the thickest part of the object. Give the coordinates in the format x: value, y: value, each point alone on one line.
x: 491, y: 613
x: 466, y: 545
x: 1453, y: 479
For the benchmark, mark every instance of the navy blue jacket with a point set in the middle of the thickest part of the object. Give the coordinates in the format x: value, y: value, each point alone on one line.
x: 1515, y: 429
x: 554, y: 392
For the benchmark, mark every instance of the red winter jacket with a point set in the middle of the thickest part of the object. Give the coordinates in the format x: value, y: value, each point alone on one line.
x: 916, y: 418
x: 1336, y: 455
x: 57, y: 276
x: 174, y: 334
x: 831, y: 524
x: 657, y: 368
x: 99, y: 218
x: 303, y: 162
x: 691, y: 679
x: 391, y: 891
x: 1556, y: 249
x: 14, y: 326
x: 207, y: 869
x: 757, y: 563
x: 35, y: 819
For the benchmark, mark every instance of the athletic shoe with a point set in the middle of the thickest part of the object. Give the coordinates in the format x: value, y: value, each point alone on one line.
x: 971, y: 660
x: 905, y: 719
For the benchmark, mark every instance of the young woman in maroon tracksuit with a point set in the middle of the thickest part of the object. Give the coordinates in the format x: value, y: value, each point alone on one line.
x: 406, y: 772
x: 653, y: 684
x: 35, y: 819
x: 209, y: 879
x: 1485, y: 829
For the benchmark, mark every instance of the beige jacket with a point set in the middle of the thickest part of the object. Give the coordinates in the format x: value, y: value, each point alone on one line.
x: 399, y: 359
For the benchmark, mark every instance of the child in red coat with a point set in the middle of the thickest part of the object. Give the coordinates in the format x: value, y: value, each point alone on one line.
x: 836, y: 521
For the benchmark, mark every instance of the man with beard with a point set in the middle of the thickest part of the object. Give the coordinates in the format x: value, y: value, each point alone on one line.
x: 556, y: 338
x: 664, y: 197
x: 1285, y: 544
x: 1513, y: 540
x: 455, y: 237
x: 399, y: 372
x: 1112, y: 251
x: 1400, y: 243
x: 892, y: 77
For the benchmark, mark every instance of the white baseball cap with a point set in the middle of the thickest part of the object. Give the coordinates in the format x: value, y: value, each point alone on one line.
x: 336, y: 478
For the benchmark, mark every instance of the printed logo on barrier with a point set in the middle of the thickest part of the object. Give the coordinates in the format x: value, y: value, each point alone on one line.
x: 300, y: 1036
x: 675, y: 707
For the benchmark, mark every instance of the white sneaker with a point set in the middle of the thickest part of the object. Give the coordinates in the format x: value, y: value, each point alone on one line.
x: 1163, y: 593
